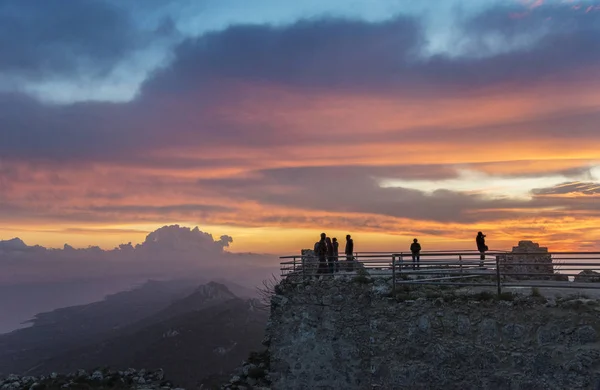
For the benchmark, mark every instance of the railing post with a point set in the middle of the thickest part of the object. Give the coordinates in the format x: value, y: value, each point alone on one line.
x: 393, y: 273
x: 498, y: 275
x: 294, y: 264
x: 460, y: 263
x: 401, y: 262
x: 304, y: 268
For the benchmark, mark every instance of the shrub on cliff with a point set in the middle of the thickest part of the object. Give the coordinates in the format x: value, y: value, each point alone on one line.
x: 362, y: 276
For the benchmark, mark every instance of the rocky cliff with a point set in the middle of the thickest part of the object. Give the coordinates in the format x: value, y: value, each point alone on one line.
x: 358, y: 334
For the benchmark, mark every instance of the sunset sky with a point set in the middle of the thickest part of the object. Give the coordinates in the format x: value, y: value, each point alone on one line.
x: 271, y: 121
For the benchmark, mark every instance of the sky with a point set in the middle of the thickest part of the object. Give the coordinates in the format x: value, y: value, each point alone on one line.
x: 270, y: 121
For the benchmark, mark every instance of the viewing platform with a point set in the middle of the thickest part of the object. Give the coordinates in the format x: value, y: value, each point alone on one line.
x: 527, y: 266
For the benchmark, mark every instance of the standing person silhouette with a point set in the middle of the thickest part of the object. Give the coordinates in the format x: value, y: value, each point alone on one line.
x: 336, y: 255
x: 415, y: 249
x: 321, y: 252
x: 349, y: 251
x: 330, y: 264
x: 481, y: 247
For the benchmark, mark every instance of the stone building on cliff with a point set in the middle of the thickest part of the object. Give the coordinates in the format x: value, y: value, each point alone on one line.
x: 528, y: 258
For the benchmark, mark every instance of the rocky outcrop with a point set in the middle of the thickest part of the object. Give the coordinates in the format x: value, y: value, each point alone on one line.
x: 340, y: 334
x: 588, y: 276
x: 529, y: 258
x: 98, y: 379
x: 253, y: 374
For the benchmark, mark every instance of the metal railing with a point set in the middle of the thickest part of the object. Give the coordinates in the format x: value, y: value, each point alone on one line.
x: 456, y: 268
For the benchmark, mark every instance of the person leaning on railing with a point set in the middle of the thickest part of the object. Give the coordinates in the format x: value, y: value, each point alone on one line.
x: 415, y: 250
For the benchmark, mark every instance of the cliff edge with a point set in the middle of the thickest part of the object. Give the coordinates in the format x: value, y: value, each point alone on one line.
x: 355, y: 333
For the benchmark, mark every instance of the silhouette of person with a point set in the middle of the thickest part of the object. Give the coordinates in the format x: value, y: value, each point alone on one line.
x: 481, y: 247
x: 329, y: 254
x: 321, y: 252
x: 349, y: 251
x: 415, y: 249
x: 336, y: 255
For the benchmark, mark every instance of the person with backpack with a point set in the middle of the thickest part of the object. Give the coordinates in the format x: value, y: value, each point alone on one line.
x: 481, y: 247
x: 415, y: 250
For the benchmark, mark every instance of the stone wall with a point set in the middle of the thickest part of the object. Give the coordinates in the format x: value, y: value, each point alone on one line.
x: 520, y: 261
x: 587, y: 276
x: 310, y: 260
x: 353, y: 334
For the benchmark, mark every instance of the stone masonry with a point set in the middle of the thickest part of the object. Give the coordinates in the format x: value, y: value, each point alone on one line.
x: 528, y: 252
x: 358, y: 334
x: 311, y: 261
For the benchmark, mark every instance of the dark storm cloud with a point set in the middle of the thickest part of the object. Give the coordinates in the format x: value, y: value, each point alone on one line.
x: 321, y: 54
x: 54, y: 37
x: 358, y: 55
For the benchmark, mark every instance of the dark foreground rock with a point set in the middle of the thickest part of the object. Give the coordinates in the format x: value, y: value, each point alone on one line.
x: 587, y: 276
x: 98, y: 379
x: 253, y: 374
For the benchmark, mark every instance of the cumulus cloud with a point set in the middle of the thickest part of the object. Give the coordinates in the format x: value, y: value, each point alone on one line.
x: 168, y: 252
x: 36, y: 279
x: 169, y: 238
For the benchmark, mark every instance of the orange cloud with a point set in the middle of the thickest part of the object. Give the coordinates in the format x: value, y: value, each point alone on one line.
x: 508, y: 131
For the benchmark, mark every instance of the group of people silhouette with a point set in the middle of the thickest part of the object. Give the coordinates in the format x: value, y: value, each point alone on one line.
x: 327, y: 250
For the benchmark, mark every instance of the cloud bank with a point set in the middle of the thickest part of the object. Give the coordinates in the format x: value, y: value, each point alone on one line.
x: 170, y: 252
x: 36, y: 279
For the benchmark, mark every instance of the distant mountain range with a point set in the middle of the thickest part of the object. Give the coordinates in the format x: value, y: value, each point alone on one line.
x: 192, y: 332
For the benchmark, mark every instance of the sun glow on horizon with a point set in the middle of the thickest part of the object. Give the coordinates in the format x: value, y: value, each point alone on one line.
x: 493, y: 186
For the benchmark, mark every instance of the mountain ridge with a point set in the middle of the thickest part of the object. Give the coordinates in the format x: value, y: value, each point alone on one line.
x: 205, y: 323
